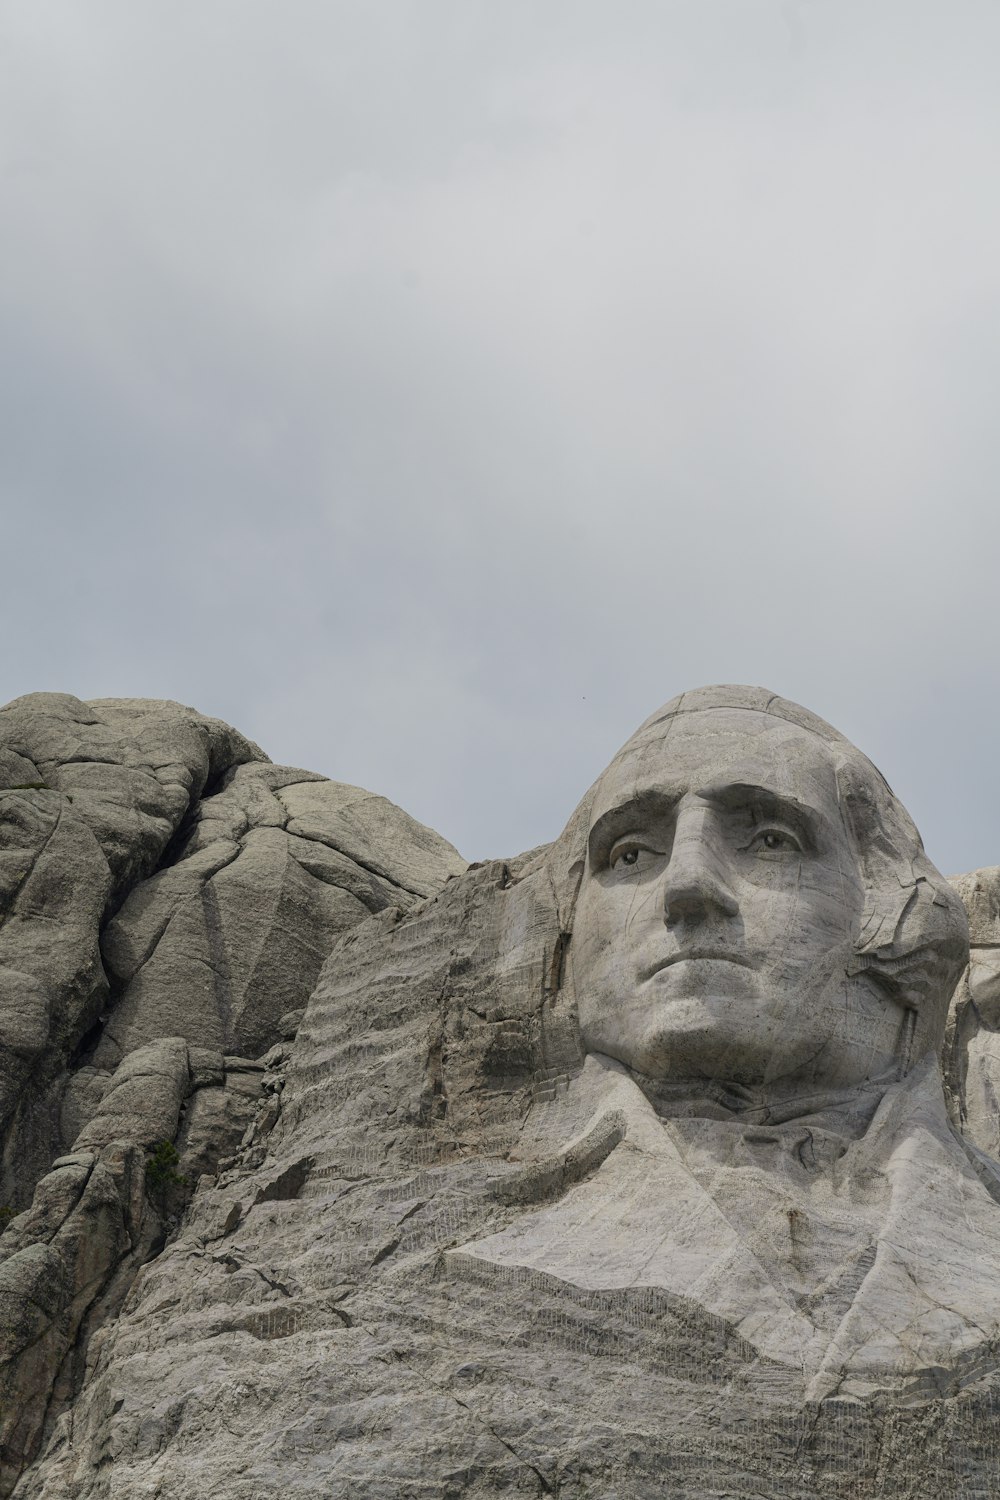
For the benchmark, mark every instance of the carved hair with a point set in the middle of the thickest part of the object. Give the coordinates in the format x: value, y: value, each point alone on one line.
x: 913, y: 940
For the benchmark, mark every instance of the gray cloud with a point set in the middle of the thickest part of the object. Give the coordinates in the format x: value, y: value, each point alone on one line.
x: 432, y: 388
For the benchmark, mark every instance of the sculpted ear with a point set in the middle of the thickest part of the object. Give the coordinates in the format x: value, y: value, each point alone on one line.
x: 914, y: 934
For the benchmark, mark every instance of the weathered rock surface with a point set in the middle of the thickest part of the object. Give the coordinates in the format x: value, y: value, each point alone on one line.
x: 323, y: 1324
x: 460, y: 1250
x: 58, y: 1264
x: 168, y: 899
x: 92, y: 795
x: 972, y: 1049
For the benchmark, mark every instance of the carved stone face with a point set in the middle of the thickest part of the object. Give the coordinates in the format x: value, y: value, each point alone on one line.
x: 719, y: 910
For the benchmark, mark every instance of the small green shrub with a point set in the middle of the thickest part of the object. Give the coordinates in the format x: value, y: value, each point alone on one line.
x: 161, y: 1171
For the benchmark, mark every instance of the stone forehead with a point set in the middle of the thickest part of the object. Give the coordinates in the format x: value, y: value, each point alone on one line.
x: 733, y: 696
x: 723, y: 743
x: 734, y: 699
x: 759, y: 709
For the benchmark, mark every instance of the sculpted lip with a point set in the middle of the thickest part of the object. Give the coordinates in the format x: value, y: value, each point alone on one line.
x: 686, y: 955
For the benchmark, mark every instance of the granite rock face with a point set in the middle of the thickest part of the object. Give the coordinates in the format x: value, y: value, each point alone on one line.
x: 624, y: 1168
x: 169, y: 897
x: 972, y: 1050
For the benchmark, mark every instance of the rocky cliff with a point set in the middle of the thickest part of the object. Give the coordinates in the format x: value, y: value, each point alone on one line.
x: 169, y: 898
x: 293, y: 1099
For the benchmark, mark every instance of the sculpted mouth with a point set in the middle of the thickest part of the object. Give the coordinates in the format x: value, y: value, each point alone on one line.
x: 688, y: 955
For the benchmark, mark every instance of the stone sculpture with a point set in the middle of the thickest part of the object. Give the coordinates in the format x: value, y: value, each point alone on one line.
x: 762, y: 959
x: 622, y: 1169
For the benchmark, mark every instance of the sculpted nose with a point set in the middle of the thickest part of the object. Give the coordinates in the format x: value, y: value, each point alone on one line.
x: 695, y: 886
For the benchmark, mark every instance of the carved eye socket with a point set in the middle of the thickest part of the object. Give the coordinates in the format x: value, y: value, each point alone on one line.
x: 775, y: 841
x: 627, y: 857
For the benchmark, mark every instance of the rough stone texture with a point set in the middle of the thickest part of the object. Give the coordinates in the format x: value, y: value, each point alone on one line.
x: 230, y: 938
x: 91, y: 796
x: 167, y: 899
x: 58, y: 1260
x: 550, y: 1193
x: 143, y: 1100
x: 972, y: 1053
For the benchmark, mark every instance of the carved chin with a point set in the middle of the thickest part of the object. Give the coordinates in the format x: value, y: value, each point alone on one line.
x: 708, y: 1034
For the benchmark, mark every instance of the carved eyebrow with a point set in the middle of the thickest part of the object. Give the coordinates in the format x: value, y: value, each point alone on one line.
x: 808, y: 821
x: 626, y: 817
x: 645, y: 807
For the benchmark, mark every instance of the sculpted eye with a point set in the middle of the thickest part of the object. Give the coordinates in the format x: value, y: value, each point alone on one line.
x: 628, y: 857
x: 774, y: 841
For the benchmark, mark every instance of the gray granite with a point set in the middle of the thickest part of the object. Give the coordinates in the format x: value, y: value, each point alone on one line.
x: 656, y: 1162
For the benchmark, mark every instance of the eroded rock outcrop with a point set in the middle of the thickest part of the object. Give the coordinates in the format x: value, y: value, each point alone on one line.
x: 92, y: 795
x: 168, y: 899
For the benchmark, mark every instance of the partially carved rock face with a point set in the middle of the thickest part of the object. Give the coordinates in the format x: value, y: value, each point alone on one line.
x: 620, y: 1169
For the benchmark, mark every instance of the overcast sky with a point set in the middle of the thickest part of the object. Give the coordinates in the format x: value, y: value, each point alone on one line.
x: 432, y: 389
